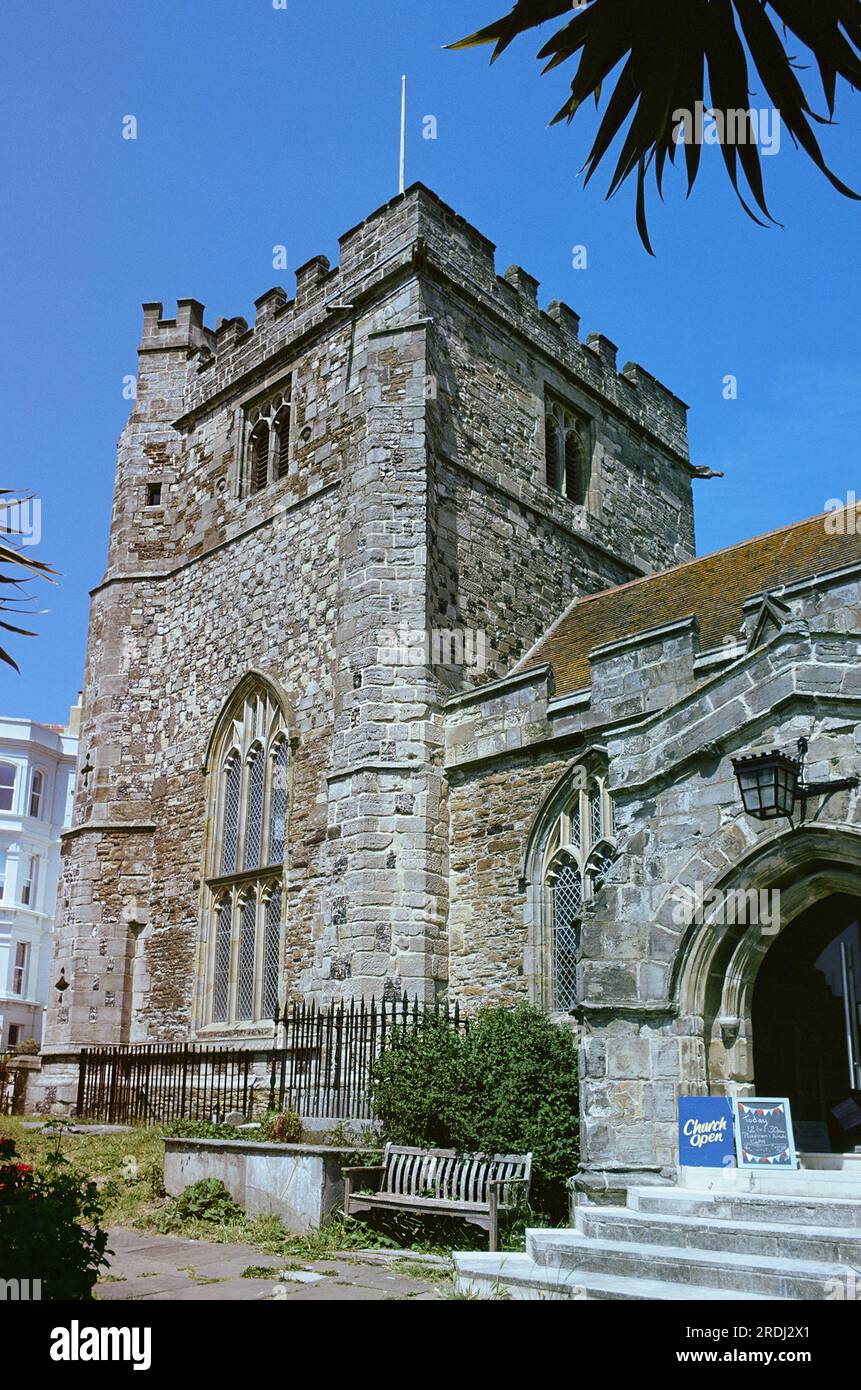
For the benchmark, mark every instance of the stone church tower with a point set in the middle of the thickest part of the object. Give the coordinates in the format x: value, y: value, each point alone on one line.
x: 324, y: 527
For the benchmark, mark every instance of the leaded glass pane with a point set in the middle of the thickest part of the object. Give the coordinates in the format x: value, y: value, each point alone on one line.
x: 596, y: 814
x: 567, y: 904
x: 575, y: 827
x: 247, y: 943
x: 221, y: 976
x: 231, y: 816
x: 278, y: 805
x: 272, y: 954
x: 254, y: 819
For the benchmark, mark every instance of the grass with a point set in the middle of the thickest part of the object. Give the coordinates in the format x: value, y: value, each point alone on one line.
x: 126, y: 1168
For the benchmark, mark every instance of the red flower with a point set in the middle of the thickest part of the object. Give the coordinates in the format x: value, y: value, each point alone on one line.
x: 24, y: 1167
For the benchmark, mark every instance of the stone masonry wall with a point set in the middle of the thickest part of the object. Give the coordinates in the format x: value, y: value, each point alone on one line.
x: 417, y: 379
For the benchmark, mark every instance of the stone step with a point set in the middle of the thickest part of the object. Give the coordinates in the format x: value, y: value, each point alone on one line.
x: 771, y: 1275
x: 840, y: 1182
x: 518, y: 1277
x: 819, y: 1244
x: 749, y: 1206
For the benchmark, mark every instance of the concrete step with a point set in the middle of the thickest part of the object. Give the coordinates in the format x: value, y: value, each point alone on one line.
x: 747, y: 1239
x: 773, y: 1276
x: 844, y: 1213
x: 518, y: 1277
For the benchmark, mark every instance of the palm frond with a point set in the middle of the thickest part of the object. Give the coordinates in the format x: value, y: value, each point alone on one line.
x: 662, y: 52
x: 15, y: 559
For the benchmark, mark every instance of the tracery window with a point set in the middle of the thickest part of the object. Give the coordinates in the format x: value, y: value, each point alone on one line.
x: 579, y: 851
x: 243, y: 893
x: 566, y: 443
x: 268, y: 447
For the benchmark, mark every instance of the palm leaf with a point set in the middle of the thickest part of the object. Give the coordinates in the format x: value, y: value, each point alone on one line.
x: 662, y: 51
x: 13, y: 558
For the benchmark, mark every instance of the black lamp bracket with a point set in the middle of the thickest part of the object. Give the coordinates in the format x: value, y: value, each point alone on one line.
x: 806, y: 789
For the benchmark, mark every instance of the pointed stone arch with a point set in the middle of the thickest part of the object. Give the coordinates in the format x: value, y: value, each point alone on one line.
x: 717, y: 962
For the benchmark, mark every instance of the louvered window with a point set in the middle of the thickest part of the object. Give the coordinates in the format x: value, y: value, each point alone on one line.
x: 282, y: 442
x: 566, y: 452
x: 551, y: 456
x: 259, y: 457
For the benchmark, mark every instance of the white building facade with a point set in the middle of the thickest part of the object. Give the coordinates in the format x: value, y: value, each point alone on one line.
x: 37, y: 777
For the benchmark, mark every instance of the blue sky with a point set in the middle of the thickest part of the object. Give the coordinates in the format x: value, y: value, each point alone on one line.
x: 259, y: 126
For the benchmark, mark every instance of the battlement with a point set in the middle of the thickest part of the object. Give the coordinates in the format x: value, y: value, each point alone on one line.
x: 185, y: 331
x: 415, y: 231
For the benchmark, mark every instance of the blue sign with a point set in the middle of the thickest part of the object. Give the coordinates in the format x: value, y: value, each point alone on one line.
x: 705, y: 1132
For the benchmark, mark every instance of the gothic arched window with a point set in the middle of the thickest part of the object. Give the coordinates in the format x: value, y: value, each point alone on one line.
x: 243, y: 896
x: 566, y: 455
x: 268, y: 425
x: 578, y: 853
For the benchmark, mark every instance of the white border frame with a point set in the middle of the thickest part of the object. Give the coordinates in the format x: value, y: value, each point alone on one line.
x: 753, y: 1101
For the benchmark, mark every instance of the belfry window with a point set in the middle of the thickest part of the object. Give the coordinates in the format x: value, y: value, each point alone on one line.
x: 268, y: 441
x: 243, y: 895
x: 579, y: 851
x: 259, y: 456
x: 566, y: 449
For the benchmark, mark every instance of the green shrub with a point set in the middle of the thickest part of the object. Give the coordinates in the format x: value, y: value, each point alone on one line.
x: 207, y: 1200
x: 28, y: 1048
x: 281, y: 1127
x: 508, y: 1085
x: 49, y: 1225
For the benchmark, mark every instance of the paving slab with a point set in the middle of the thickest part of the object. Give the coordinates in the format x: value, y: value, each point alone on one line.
x: 149, y: 1267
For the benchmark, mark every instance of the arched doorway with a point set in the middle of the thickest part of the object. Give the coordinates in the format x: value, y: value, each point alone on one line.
x: 805, y: 1021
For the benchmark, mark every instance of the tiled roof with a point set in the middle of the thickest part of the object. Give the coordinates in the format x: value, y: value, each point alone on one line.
x: 712, y: 588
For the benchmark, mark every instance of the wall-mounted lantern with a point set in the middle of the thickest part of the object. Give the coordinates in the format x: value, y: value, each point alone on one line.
x: 771, y: 783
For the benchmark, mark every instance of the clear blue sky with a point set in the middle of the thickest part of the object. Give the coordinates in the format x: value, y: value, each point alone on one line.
x: 260, y: 126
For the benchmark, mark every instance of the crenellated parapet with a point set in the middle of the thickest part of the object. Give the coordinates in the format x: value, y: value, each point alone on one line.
x: 414, y: 232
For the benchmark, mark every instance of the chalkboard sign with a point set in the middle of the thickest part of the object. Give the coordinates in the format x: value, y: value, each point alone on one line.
x: 763, y: 1133
x: 705, y: 1132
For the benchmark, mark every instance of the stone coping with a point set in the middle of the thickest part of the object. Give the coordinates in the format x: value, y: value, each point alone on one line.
x: 262, y: 1146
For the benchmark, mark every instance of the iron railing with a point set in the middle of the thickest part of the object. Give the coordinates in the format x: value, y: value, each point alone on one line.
x: 323, y: 1068
x: 13, y: 1082
x: 154, y: 1083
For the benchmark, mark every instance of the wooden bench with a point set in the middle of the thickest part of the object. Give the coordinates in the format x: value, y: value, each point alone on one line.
x: 475, y: 1187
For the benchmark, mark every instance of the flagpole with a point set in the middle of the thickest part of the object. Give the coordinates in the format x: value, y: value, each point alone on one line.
x: 403, y: 131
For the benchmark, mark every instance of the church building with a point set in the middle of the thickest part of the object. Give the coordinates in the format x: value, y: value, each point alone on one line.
x: 403, y: 675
